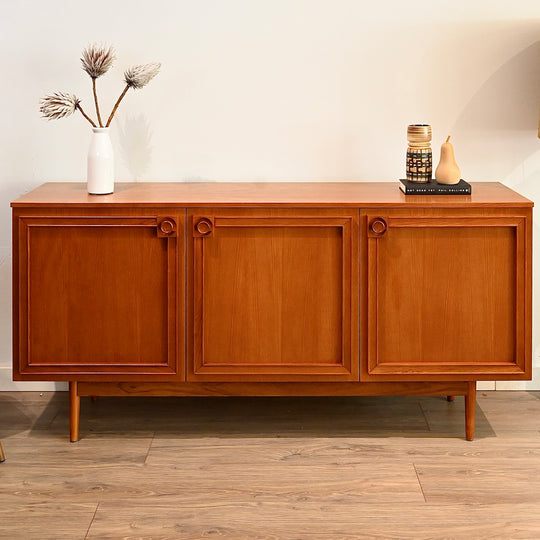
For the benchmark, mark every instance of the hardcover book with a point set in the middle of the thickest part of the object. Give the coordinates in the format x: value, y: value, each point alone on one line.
x: 434, y: 188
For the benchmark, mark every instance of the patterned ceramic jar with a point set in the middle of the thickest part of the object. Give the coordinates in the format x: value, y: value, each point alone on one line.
x: 419, y: 159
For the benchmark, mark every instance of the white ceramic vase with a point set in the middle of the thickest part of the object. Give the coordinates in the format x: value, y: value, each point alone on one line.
x: 100, y: 164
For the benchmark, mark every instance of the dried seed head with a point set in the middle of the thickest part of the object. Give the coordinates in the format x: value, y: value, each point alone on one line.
x: 139, y: 76
x: 97, y: 59
x: 58, y: 105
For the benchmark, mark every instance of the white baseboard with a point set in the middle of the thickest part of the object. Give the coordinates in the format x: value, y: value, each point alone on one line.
x: 8, y: 385
x: 533, y: 384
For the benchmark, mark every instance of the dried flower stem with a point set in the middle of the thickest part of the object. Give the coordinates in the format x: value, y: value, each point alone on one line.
x: 96, y: 60
x: 96, y: 102
x: 78, y: 106
x: 116, y: 104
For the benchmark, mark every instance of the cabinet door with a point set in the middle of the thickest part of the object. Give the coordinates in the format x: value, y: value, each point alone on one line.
x: 447, y: 294
x: 273, y: 295
x: 98, y: 295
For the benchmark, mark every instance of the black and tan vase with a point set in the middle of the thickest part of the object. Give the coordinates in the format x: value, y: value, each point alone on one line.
x: 419, y: 159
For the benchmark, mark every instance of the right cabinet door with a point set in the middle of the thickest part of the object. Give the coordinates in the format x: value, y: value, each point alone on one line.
x: 446, y: 294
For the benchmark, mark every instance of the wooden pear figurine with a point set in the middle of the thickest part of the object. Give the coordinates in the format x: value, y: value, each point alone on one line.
x: 447, y: 171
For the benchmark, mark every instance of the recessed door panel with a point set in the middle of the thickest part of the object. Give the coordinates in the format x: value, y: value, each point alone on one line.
x: 445, y: 295
x: 272, y: 296
x: 100, y: 295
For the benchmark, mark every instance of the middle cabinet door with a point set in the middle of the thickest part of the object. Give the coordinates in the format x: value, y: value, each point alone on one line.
x: 273, y: 294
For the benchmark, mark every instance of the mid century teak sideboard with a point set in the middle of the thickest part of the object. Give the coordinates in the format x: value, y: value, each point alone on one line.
x: 271, y: 289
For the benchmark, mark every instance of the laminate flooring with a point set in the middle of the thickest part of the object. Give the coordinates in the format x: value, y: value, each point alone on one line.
x: 270, y: 468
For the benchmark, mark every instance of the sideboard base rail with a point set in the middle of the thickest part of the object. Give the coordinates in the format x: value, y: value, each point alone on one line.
x: 458, y: 388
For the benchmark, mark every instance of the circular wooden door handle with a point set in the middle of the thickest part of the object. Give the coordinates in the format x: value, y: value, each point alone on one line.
x: 378, y: 226
x: 204, y: 226
x: 167, y: 226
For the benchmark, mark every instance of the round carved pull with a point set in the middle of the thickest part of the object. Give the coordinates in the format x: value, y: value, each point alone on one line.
x: 167, y: 226
x: 378, y: 226
x: 204, y: 226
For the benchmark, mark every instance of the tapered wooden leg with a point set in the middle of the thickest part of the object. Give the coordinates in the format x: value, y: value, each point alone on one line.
x: 2, y: 455
x: 74, y: 412
x: 450, y: 398
x: 470, y: 409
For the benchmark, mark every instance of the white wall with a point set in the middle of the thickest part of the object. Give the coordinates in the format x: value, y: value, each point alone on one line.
x: 297, y: 90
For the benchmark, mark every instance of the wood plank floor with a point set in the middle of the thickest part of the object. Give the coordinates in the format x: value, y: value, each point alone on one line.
x: 270, y: 468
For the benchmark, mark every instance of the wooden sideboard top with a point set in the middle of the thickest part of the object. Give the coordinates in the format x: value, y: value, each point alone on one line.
x: 299, y: 194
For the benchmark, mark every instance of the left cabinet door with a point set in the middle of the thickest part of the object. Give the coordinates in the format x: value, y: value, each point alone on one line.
x: 98, y: 297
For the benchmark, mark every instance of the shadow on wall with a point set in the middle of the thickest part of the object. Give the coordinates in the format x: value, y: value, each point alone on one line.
x: 509, y: 99
x: 5, y: 313
x: 134, y: 142
x: 507, y: 104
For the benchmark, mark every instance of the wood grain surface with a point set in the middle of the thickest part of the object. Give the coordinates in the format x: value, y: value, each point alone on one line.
x: 99, y: 293
x: 446, y: 292
x: 271, y: 294
x: 337, y: 194
x: 272, y: 289
x: 270, y: 468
